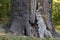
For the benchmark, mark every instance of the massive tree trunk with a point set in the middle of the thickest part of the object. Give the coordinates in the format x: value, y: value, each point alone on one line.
x: 20, y: 9
x: 24, y: 16
x: 20, y: 18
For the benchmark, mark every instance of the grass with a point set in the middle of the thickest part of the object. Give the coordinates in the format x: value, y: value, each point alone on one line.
x: 24, y: 38
x: 17, y: 38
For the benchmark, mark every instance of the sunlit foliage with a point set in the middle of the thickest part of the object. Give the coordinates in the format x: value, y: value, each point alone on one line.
x: 56, y: 10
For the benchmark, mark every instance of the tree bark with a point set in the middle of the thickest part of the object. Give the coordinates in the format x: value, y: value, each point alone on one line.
x: 33, y: 11
x: 20, y: 18
x: 23, y: 12
x: 42, y: 22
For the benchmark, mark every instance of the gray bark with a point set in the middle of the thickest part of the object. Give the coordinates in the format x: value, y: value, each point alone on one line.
x: 20, y: 18
x: 48, y: 11
x: 33, y: 11
x: 42, y: 27
x: 20, y: 11
x: 41, y: 21
x: 48, y: 15
x: 32, y: 17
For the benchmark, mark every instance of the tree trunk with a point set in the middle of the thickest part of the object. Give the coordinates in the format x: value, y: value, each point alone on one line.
x: 20, y: 18
x: 42, y: 22
x: 48, y: 11
x: 23, y: 12
x: 33, y: 11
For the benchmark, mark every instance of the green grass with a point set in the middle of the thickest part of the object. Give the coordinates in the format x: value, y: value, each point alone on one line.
x: 24, y: 38
x: 17, y: 38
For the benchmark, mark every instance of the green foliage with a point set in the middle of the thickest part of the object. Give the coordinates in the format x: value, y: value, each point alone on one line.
x: 5, y: 1
x: 56, y: 10
x: 5, y: 10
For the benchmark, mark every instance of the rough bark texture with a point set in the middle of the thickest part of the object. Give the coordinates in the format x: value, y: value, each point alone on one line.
x: 31, y: 18
x: 48, y: 12
x: 20, y: 18
x: 44, y: 26
x: 33, y: 11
